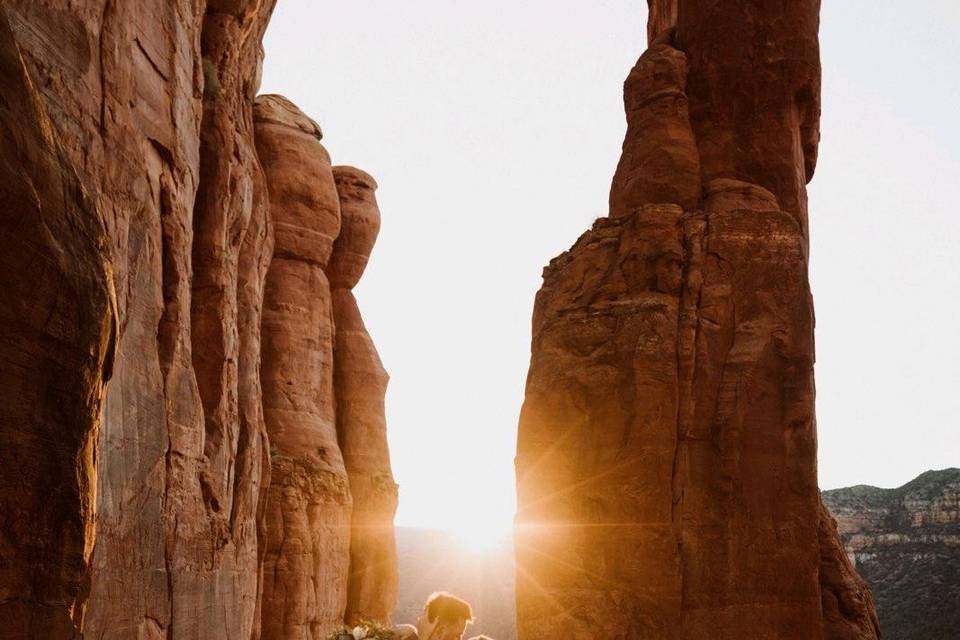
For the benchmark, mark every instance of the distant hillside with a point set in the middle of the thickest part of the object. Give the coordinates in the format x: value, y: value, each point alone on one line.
x: 905, y: 543
x: 434, y: 561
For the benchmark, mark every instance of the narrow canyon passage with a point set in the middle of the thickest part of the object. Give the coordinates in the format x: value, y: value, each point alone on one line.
x: 194, y: 427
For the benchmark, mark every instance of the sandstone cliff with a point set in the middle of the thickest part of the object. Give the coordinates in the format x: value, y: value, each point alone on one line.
x: 905, y: 542
x: 666, y: 460
x: 138, y: 254
x: 57, y: 336
x: 308, y: 503
x: 361, y: 385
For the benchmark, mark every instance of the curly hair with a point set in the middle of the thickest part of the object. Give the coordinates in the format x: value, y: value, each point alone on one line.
x: 445, y: 607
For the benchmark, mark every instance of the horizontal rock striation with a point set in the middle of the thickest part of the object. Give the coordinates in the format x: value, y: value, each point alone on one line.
x: 905, y: 542
x: 666, y: 461
x: 143, y: 410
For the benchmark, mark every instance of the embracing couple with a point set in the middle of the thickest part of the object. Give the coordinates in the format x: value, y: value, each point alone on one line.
x: 444, y: 617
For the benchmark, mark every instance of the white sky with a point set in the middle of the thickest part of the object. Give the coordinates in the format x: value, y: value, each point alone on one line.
x: 494, y: 129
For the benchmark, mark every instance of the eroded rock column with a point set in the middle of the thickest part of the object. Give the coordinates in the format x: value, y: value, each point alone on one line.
x: 666, y: 458
x: 361, y: 385
x: 308, y: 506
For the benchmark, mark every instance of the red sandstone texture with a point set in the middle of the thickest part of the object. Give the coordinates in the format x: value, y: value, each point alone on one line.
x: 309, y: 504
x: 57, y: 337
x: 137, y: 440
x: 666, y: 458
x: 361, y: 385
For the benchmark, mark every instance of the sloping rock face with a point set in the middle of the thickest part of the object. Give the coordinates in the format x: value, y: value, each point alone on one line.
x: 666, y: 460
x: 905, y: 542
x: 138, y: 236
x: 361, y: 386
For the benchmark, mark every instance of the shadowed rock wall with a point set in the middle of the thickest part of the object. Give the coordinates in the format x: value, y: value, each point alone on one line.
x: 666, y: 460
x: 152, y: 104
x: 57, y: 336
x: 138, y: 236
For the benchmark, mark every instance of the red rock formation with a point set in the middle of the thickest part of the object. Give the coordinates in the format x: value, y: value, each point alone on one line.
x: 667, y: 449
x: 309, y: 504
x: 361, y: 385
x: 232, y: 249
x: 57, y: 331
x: 137, y: 237
x: 146, y: 98
x: 849, y: 611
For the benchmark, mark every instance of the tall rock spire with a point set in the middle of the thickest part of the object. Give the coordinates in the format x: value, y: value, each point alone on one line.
x: 666, y: 460
x: 360, y: 382
x: 308, y: 504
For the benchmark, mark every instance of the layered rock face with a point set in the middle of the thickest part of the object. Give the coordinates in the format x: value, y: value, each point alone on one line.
x: 905, y: 542
x: 138, y: 239
x: 666, y: 460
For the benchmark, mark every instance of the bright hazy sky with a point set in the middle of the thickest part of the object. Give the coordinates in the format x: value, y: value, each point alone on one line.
x: 494, y: 129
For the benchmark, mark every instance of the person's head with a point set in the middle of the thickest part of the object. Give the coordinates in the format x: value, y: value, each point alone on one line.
x: 444, y: 617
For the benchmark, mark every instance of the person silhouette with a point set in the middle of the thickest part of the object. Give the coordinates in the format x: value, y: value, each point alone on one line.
x: 444, y: 617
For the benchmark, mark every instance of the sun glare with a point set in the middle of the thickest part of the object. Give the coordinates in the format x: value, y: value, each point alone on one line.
x: 473, y: 508
x: 479, y: 537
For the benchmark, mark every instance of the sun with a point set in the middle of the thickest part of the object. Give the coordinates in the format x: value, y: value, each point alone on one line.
x: 480, y: 537
x: 471, y: 508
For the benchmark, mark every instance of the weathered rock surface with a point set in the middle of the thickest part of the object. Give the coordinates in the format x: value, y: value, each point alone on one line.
x: 152, y: 104
x: 666, y: 459
x: 309, y: 504
x: 361, y: 385
x: 905, y: 542
x: 57, y: 334
x: 138, y: 235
